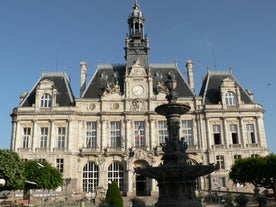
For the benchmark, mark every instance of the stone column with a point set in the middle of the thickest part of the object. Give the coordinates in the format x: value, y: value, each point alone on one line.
x: 130, y: 187
x: 52, y: 136
x: 242, y: 141
x: 208, y: 133
x: 14, y: 135
x: 259, y: 131
x: 227, y: 142
x: 35, y: 136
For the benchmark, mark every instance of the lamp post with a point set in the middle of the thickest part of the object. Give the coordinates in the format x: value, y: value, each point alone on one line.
x: 2, y: 182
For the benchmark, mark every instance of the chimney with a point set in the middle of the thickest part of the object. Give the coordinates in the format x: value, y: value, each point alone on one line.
x: 83, y: 67
x: 250, y: 94
x: 22, y: 96
x: 190, y: 74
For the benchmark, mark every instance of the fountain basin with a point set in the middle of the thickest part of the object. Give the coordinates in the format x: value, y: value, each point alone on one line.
x: 172, y: 108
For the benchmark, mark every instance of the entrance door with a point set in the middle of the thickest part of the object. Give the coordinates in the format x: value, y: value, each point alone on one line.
x: 141, y: 185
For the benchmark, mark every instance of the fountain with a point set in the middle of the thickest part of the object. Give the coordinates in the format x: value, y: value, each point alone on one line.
x: 176, y: 178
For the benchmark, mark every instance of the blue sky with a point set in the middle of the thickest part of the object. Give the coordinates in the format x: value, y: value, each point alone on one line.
x: 54, y: 35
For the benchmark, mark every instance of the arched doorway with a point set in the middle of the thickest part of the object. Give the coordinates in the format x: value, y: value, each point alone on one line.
x: 142, y: 184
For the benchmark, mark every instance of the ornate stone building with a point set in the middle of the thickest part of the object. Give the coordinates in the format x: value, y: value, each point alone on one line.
x: 113, y: 128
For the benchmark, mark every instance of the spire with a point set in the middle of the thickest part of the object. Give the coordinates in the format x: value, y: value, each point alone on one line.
x: 137, y: 45
x: 136, y: 21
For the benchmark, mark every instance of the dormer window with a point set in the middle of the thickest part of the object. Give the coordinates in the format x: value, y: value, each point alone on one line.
x: 46, y: 101
x: 230, y: 99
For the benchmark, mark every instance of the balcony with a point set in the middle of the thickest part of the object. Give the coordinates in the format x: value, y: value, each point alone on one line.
x: 40, y: 149
x: 235, y: 146
x: 60, y: 149
x: 89, y: 151
x: 114, y: 151
x: 218, y: 146
x: 252, y: 145
x: 24, y: 149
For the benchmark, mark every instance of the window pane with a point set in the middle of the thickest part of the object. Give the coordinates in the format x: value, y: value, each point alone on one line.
x: 115, y: 134
x: 116, y: 173
x: 61, y: 137
x: 91, y: 134
x: 46, y: 101
x: 140, y: 139
x: 90, y: 177
x: 230, y: 98
x: 26, y: 137
x: 44, y: 137
x: 162, y: 131
x: 187, y: 131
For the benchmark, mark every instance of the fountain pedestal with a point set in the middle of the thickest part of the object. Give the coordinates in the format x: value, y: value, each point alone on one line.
x: 175, y: 176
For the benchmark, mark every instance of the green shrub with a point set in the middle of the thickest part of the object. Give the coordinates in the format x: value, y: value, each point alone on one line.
x: 113, y: 196
x: 241, y: 200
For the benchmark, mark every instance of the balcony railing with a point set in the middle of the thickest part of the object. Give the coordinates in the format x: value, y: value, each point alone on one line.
x: 235, y: 146
x: 252, y: 145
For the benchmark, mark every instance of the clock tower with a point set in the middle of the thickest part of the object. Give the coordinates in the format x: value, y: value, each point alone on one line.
x: 138, y: 81
x: 136, y: 43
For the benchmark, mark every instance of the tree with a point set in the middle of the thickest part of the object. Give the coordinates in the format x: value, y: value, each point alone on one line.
x: 113, y: 196
x: 260, y: 171
x: 41, y: 175
x: 11, y: 169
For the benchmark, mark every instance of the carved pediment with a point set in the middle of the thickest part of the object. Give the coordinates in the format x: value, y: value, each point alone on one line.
x: 45, y: 85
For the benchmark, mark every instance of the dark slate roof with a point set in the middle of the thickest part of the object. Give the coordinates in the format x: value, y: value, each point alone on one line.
x: 93, y: 88
x: 182, y: 88
x: 65, y: 96
x: 210, y: 90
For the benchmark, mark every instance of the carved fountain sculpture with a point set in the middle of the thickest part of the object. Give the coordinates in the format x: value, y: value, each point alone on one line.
x: 175, y: 176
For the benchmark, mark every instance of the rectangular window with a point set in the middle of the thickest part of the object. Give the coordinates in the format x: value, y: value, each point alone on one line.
x: 115, y: 134
x: 60, y: 164
x: 254, y: 155
x: 26, y: 137
x: 220, y: 161
x: 234, y: 133
x: 61, y: 137
x: 139, y: 132
x: 216, y: 133
x: 91, y: 134
x: 221, y: 182
x: 44, y: 137
x: 46, y: 101
x: 250, y: 133
x: 187, y: 132
x: 162, y: 131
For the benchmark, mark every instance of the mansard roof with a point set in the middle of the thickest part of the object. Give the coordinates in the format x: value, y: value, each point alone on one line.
x: 93, y: 87
x: 210, y: 90
x: 61, y: 81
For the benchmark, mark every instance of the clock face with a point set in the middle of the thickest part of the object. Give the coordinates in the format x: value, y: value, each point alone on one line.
x: 138, y: 90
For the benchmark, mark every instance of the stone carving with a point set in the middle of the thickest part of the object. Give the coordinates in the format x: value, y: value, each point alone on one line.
x: 109, y: 87
x: 137, y: 105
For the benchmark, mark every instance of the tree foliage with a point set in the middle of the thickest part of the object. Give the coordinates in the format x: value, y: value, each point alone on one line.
x: 260, y: 171
x: 11, y: 169
x: 43, y: 174
x: 113, y: 196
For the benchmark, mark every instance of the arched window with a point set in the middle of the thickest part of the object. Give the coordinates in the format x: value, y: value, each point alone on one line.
x: 90, y: 178
x: 116, y: 174
x: 230, y: 98
x: 46, y: 101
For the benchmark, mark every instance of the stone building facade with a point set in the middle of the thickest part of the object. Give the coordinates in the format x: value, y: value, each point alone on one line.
x: 113, y: 128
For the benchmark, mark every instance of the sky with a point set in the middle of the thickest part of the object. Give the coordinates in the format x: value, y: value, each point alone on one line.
x: 56, y: 35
